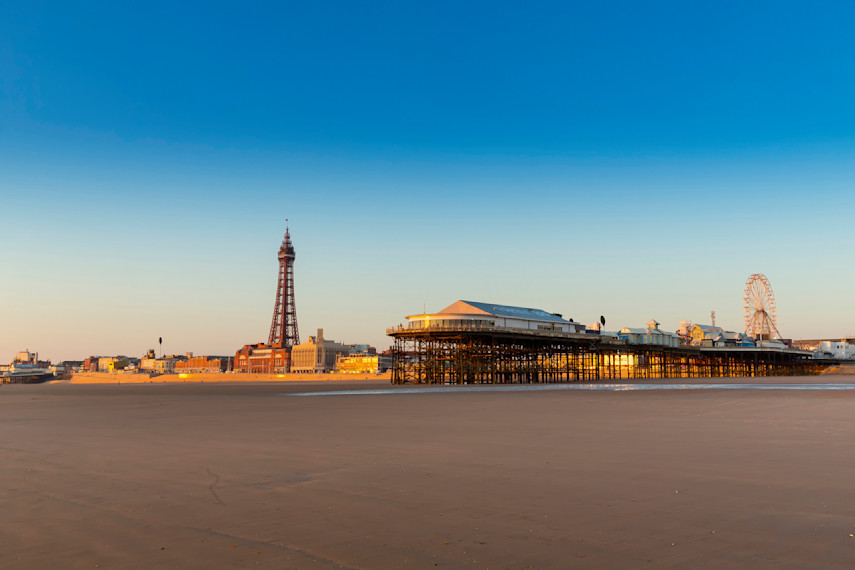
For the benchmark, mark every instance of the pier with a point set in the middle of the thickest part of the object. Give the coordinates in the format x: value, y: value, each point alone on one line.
x: 486, y: 354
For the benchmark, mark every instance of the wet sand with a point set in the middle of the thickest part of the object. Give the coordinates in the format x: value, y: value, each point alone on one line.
x: 222, y: 475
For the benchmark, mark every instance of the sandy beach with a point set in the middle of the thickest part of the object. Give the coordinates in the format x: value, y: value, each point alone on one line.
x: 255, y: 475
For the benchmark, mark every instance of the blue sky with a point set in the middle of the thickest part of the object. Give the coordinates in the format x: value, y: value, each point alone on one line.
x: 632, y: 160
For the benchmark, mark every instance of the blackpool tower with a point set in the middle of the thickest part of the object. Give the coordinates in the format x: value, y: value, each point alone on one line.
x: 284, y: 326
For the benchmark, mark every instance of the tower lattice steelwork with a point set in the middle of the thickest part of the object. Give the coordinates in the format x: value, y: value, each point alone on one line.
x: 284, y: 326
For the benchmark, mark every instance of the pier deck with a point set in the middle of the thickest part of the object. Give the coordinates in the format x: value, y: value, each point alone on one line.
x: 485, y: 354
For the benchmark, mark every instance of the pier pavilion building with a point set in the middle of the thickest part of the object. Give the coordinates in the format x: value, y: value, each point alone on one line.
x: 473, y: 314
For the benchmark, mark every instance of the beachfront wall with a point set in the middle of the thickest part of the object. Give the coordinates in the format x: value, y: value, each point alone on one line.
x: 497, y: 355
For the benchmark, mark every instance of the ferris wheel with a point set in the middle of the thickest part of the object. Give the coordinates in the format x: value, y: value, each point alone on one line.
x: 758, y: 308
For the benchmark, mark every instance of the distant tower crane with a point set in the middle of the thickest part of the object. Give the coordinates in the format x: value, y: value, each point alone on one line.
x: 284, y: 326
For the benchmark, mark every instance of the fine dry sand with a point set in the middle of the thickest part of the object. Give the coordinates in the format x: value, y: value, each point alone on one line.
x: 246, y: 476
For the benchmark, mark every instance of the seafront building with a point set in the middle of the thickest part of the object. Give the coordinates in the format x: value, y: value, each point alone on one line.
x: 363, y: 363
x: 318, y: 355
x: 113, y: 363
x: 162, y: 365
x: 817, y: 343
x: 26, y: 357
x: 72, y: 365
x: 836, y: 349
x: 203, y: 364
x: 263, y: 358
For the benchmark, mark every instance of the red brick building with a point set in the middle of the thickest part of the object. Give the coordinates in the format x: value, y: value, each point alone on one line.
x: 202, y: 365
x: 263, y: 358
x: 90, y: 364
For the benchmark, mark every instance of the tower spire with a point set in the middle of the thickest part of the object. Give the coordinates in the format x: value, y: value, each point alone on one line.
x: 284, y: 326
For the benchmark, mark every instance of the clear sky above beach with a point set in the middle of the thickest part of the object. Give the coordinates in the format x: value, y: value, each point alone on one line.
x: 632, y: 160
